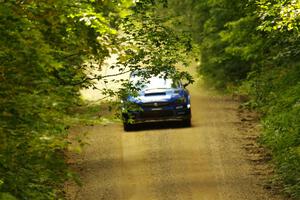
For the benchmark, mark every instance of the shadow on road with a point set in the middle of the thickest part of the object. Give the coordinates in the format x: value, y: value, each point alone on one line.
x: 157, y: 126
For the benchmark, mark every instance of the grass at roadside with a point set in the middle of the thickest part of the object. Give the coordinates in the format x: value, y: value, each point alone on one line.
x: 93, y: 113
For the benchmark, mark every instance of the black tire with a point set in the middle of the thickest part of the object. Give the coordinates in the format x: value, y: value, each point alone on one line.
x: 187, y: 123
x: 128, y: 127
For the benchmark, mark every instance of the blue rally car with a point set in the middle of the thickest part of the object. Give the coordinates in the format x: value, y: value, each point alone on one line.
x: 158, y: 99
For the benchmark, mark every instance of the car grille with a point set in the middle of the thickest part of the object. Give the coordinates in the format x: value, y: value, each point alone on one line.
x: 155, y: 104
x: 156, y: 113
x: 155, y: 94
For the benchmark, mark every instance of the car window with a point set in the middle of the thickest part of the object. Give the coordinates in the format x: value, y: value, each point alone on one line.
x: 154, y: 83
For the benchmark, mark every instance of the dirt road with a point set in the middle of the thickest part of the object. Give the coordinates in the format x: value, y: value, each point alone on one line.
x: 162, y: 161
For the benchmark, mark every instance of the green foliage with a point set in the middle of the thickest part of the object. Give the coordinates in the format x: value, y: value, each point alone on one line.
x: 282, y: 125
x: 279, y: 15
x: 221, y: 49
x: 148, y: 42
x: 43, y: 48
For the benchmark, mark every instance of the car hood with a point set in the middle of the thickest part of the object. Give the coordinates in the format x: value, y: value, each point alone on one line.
x: 157, y: 95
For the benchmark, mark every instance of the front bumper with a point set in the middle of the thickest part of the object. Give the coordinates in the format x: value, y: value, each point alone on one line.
x: 174, y: 113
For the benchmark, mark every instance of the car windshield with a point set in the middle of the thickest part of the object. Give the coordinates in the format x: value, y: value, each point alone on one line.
x: 154, y: 83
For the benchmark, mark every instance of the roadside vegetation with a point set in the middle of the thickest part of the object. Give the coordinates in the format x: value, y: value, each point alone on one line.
x: 252, y: 48
x: 43, y: 48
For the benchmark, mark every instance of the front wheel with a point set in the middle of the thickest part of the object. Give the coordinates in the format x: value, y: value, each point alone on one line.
x: 127, y: 126
x: 187, y: 122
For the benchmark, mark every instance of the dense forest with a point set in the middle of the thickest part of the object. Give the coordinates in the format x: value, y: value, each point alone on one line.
x: 248, y: 47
